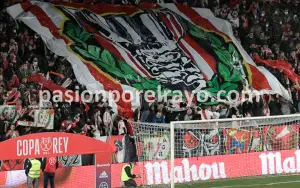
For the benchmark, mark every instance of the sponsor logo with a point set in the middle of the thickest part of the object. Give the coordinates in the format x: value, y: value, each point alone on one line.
x: 56, y: 145
x: 102, y: 165
x: 103, y: 185
x: 274, y: 163
x: 52, y: 161
x: 103, y: 175
x: 184, y: 172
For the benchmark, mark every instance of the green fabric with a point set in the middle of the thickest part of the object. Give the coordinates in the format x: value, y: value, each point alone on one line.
x: 227, y: 57
x: 106, y: 61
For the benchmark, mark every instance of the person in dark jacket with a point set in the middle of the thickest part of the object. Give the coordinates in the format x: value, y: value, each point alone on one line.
x: 159, y: 118
x: 151, y: 113
x: 247, y: 108
x: 49, y: 166
x: 275, y: 106
x: 144, y: 108
x: 137, y: 115
x: 130, y: 150
x: 257, y: 108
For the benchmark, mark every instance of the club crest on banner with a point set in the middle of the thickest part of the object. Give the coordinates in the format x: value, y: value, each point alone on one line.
x: 237, y: 141
x: 282, y: 137
x: 201, y: 143
x: 157, y: 147
x: 256, y: 144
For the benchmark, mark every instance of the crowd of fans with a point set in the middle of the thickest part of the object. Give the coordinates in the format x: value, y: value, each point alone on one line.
x: 265, y: 28
x: 269, y: 29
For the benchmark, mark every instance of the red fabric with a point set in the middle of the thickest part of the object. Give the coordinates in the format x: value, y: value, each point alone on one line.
x: 5, y: 65
x: 48, y: 84
x: 51, y: 164
x: 189, y: 97
x: 57, y: 74
x: 267, y: 52
x: 74, y: 124
x: 280, y: 65
x: 13, y: 97
x: 195, y: 3
x: 233, y: 3
x: 65, y: 124
x: 251, y: 7
x: 204, y: 114
x: 129, y: 128
x: 15, y: 82
x: 87, y: 108
x: 246, y: 23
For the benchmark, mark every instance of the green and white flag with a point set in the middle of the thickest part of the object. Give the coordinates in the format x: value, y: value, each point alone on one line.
x: 9, y: 113
x: 42, y: 118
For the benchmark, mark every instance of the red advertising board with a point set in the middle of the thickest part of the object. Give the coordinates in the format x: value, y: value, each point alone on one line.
x: 103, y: 171
x: 186, y: 170
x: 51, y: 144
x: 56, y: 144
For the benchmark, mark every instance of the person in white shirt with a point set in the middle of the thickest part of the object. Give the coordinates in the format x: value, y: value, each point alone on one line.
x: 97, y: 118
x: 107, y: 120
x: 122, y: 127
x: 189, y: 115
x: 45, y: 103
x: 96, y: 132
x: 233, y: 18
x: 207, y: 114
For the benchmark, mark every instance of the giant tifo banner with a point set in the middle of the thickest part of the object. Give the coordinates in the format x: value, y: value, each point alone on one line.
x: 186, y: 170
x: 131, y: 48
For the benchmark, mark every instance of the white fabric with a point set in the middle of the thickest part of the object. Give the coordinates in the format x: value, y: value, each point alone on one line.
x: 82, y: 73
x: 122, y: 127
x: 225, y: 27
x: 98, y: 120
x: 209, y: 115
x: 45, y: 104
x: 107, y: 120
